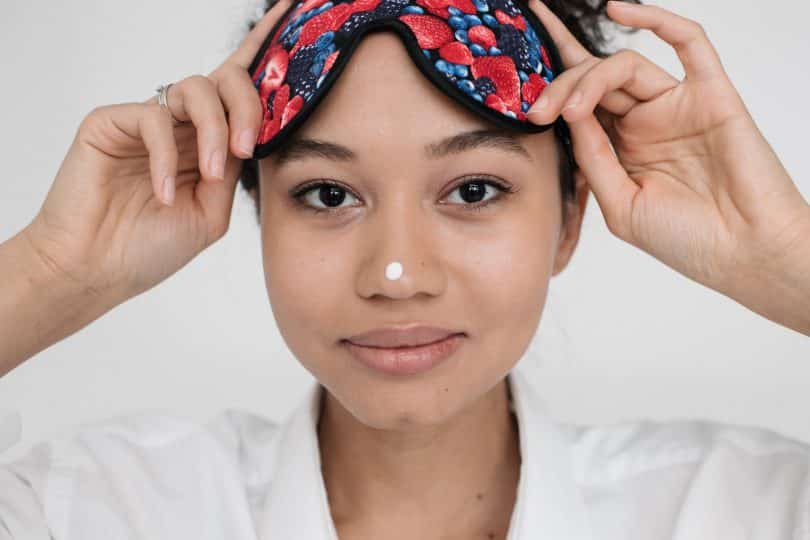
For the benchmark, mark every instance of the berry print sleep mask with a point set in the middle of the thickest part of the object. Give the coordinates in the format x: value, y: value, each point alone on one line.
x: 494, y: 57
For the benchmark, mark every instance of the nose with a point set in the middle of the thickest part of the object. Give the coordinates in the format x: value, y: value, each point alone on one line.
x: 400, y: 233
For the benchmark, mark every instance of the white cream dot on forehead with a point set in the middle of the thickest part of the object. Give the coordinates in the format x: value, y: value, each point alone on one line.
x: 393, y: 271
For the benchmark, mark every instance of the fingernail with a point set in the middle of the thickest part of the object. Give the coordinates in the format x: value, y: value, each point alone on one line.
x: 217, y: 164
x: 574, y: 101
x: 168, y: 190
x: 247, y: 140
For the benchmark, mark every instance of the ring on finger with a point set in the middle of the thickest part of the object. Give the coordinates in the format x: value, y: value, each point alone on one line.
x: 163, y: 100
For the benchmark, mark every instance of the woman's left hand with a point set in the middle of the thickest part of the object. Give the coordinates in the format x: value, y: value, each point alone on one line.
x: 692, y: 181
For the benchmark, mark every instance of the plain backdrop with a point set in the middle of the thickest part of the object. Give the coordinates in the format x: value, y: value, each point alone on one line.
x: 622, y: 336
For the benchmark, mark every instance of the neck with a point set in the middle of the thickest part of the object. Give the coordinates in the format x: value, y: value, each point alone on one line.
x: 460, y: 478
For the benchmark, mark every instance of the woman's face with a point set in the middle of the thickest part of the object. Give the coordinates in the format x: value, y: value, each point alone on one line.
x: 483, y: 272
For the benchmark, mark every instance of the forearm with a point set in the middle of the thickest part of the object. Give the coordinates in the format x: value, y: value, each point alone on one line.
x: 37, y: 308
x: 779, y: 289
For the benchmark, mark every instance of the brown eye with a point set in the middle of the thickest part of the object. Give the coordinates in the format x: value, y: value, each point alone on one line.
x: 323, y: 196
x: 473, y: 192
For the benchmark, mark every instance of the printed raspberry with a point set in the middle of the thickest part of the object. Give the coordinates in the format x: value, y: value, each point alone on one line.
x: 481, y: 35
x: 484, y: 86
x: 431, y: 32
x: 532, y: 88
x: 512, y: 43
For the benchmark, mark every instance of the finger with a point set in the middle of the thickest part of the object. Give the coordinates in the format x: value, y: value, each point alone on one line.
x: 697, y: 54
x: 613, y: 188
x: 196, y: 98
x: 628, y: 70
x: 562, y: 87
x: 243, y: 56
x: 216, y: 199
x: 572, y: 52
x: 243, y: 105
x: 157, y: 132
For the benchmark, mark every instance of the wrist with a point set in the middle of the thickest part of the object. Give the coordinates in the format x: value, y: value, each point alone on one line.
x: 39, y: 304
x: 776, y: 285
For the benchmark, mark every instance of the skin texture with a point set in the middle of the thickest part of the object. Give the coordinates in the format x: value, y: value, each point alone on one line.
x: 437, y: 441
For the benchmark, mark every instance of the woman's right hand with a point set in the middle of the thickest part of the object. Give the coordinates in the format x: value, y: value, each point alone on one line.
x: 104, y: 224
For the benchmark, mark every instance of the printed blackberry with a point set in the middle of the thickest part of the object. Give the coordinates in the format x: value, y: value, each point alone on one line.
x: 301, y: 61
x: 352, y: 23
x: 507, y: 6
x: 304, y: 87
x: 513, y: 44
x: 484, y: 85
x: 390, y: 8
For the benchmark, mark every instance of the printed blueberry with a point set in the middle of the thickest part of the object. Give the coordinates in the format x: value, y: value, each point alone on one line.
x: 320, y: 81
x: 490, y: 21
x: 427, y: 53
x: 457, y: 23
x: 523, y: 76
x: 549, y: 77
x: 478, y: 97
x: 461, y: 35
x: 324, y: 40
x: 460, y: 70
x: 524, y: 106
x: 481, y: 5
x: 452, y: 10
x: 477, y: 50
x: 325, y: 7
x: 317, y: 67
x: 510, y: 114
x: 466, y: 85
x: 443, y: 66
x: 494, y: 51
x: 413, y: 9
x: 472, y: 20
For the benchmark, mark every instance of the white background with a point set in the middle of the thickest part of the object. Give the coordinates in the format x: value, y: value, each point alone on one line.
x: 622, y: 336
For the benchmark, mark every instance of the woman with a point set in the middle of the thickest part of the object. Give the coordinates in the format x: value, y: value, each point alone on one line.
x: 437, y: 440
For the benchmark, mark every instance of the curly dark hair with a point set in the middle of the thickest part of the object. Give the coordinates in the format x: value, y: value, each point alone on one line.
x: 585, y: 19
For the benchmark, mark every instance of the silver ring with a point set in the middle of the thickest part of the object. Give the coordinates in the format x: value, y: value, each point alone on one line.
x: 163, y: 99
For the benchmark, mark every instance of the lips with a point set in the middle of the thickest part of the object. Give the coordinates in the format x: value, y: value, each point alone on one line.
x: 393, y: 337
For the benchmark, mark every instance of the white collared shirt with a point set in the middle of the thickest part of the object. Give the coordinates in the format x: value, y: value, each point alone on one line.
x: 156, y: 475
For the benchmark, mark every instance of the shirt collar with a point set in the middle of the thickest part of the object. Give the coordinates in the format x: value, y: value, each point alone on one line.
x: 549, y: 504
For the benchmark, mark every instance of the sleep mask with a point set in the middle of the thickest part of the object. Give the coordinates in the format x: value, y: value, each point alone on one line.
x: 494, y: 57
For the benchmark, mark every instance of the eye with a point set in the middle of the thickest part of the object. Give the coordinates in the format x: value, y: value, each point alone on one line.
x: 472, y: 192
x: 328, y: 194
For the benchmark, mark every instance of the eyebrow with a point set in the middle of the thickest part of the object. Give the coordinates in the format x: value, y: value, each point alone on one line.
x: 300, y: 148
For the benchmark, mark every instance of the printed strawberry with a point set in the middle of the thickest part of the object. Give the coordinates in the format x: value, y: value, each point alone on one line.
x: 272, y: 116
x: 290, y: 110
x: 328, y: 21
x: 431, y: 32
x: 483, y: 36
x: 517, y: 22
x: 494, y: 102
x: 330, y: 61
x: 364, y: 5
x: 276, y: 69
x: 310, y: 4
x: 501, y: 70
x: 544, y: 55
x: 456, y: 52
x: 532, y: 88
